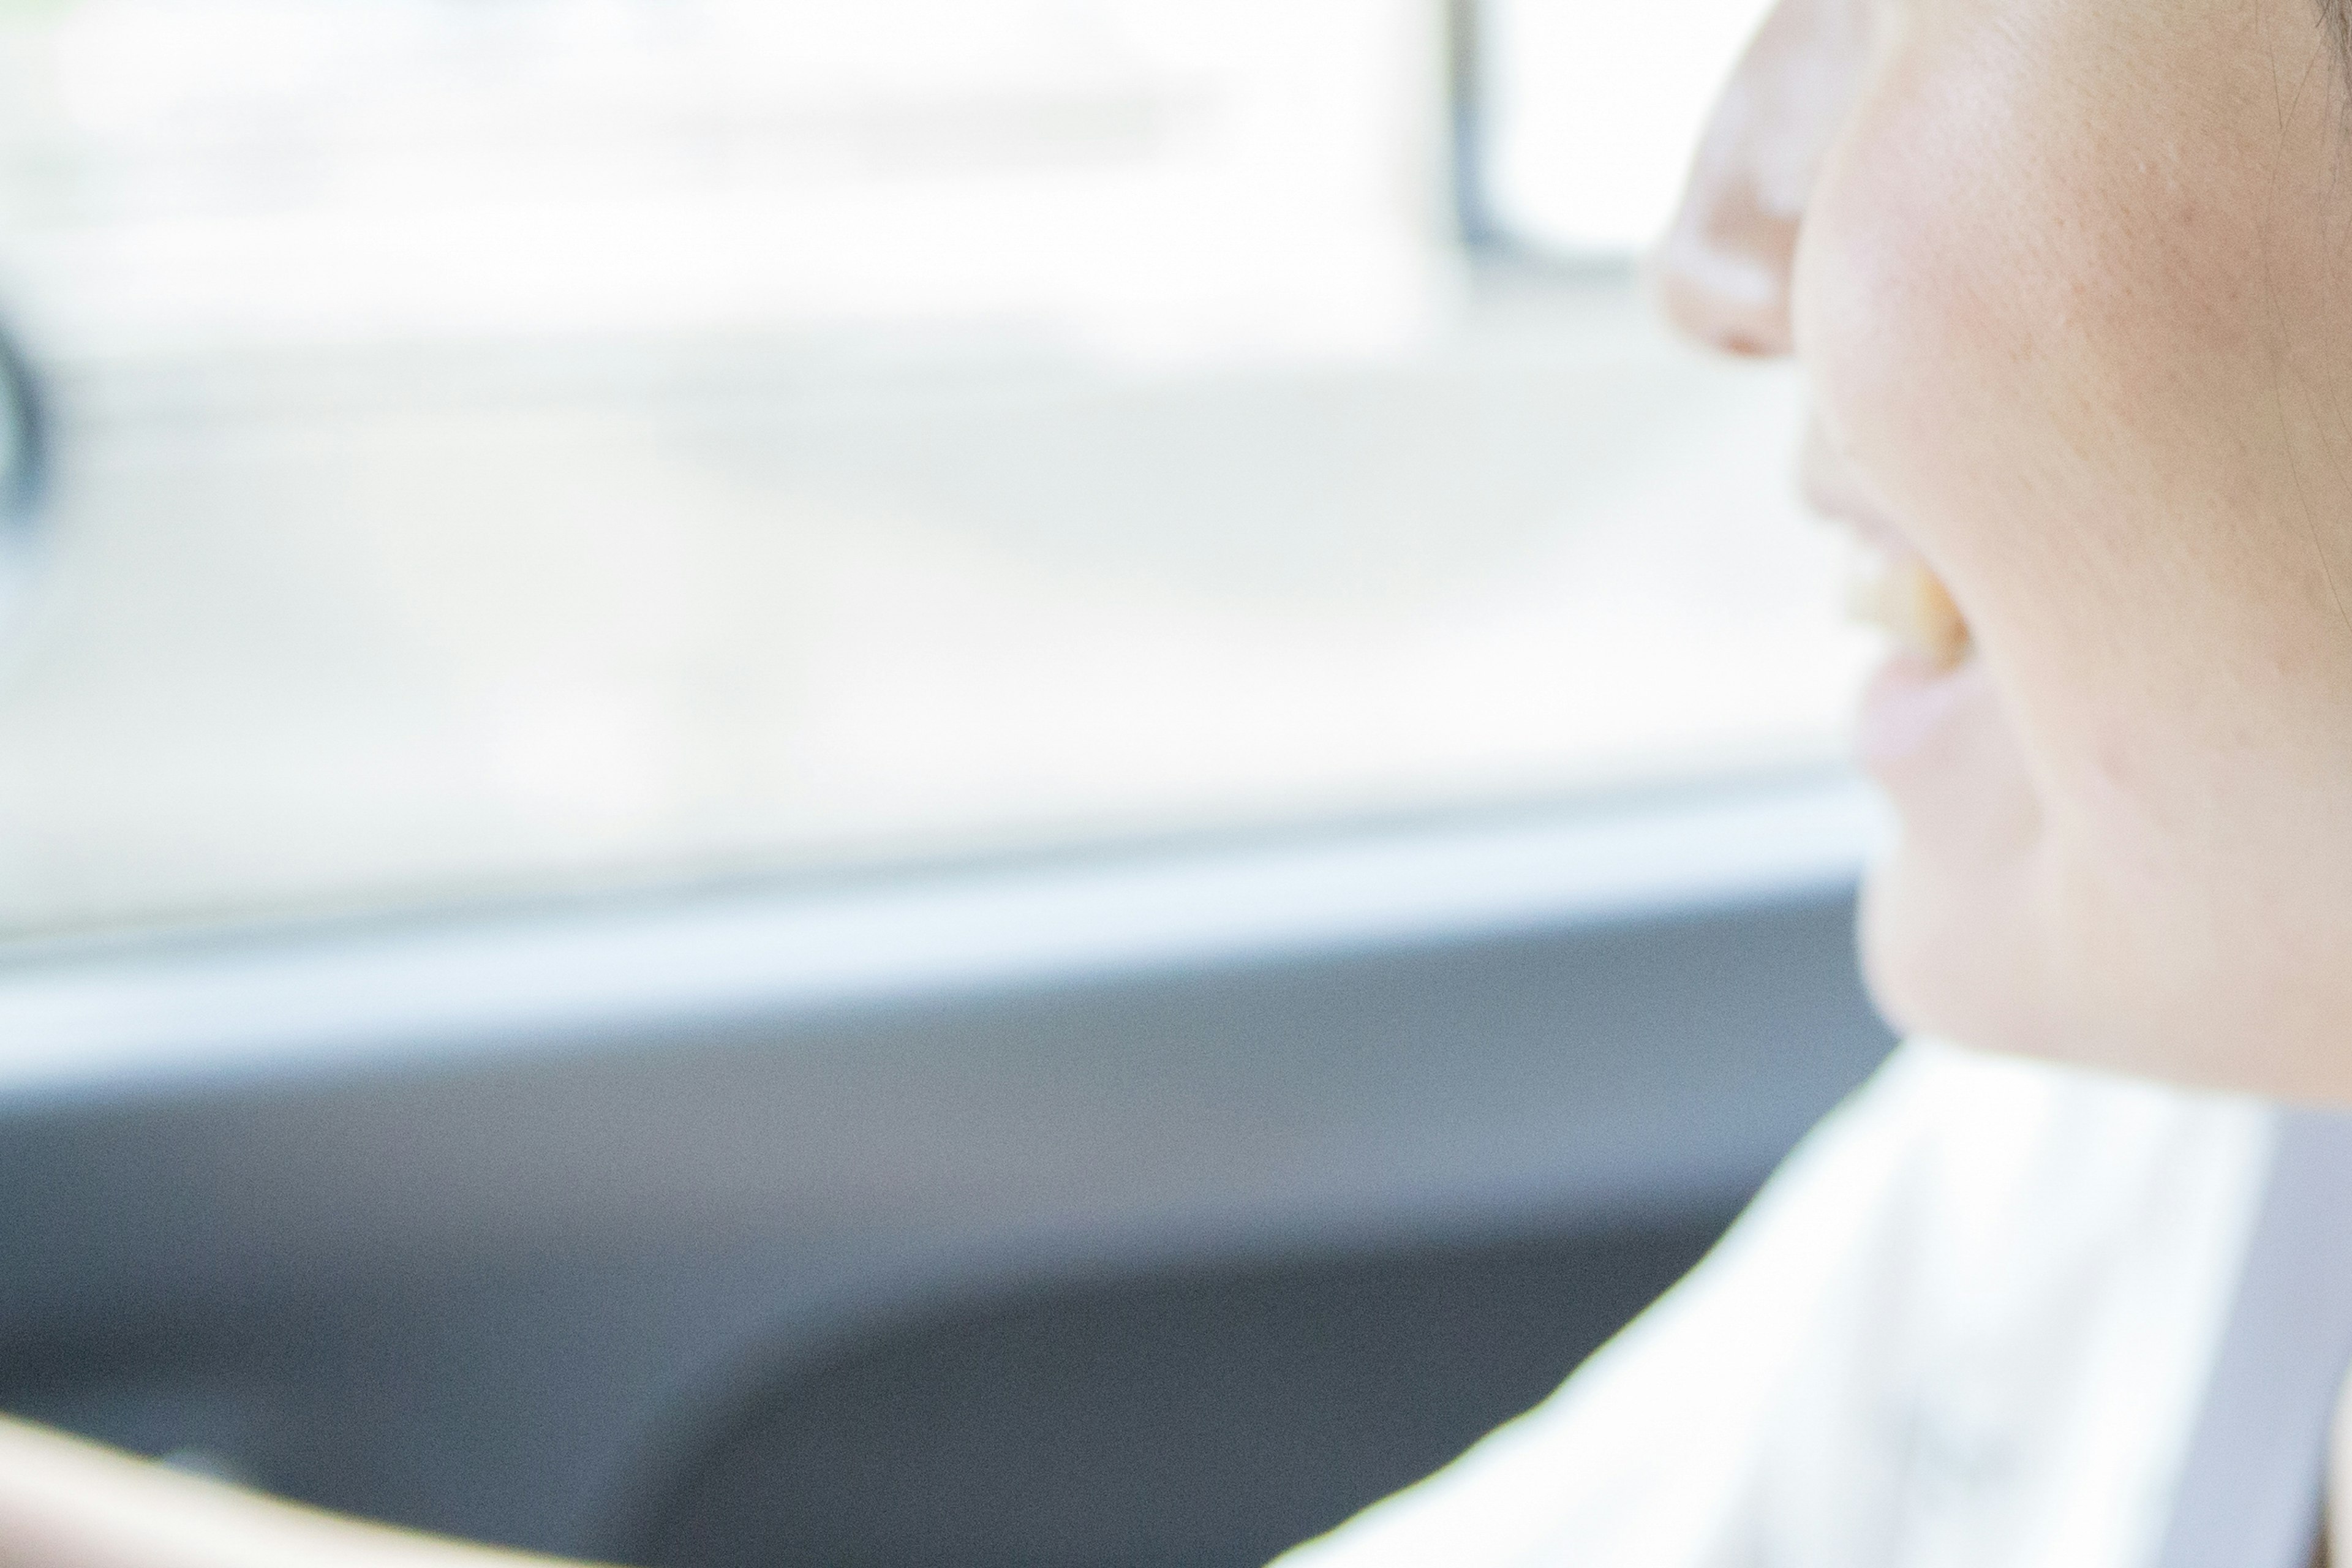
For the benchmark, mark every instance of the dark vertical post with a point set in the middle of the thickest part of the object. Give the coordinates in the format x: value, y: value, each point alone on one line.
x: 1469, y: 106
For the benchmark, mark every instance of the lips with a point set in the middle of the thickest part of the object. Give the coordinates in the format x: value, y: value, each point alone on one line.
x: 1931, y: 683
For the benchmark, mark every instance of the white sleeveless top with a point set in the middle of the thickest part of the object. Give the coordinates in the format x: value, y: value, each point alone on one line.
x: 1972, y: 1321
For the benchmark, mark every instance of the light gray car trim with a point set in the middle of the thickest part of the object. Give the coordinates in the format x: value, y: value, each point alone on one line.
x: 151, y: 1016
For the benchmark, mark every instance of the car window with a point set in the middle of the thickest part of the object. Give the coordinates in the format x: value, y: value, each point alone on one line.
x: 503, y: 447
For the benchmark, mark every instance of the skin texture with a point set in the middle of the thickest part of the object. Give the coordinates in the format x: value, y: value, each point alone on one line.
x: 2068, y: 280
x: 68, y: 1504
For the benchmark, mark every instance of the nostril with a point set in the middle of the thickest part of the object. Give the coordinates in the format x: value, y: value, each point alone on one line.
x: 1753, y: 345
x: 1721, y: 272
x: 1725, y: 295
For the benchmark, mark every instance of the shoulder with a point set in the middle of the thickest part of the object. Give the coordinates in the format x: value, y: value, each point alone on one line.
x: 1950, y: 1258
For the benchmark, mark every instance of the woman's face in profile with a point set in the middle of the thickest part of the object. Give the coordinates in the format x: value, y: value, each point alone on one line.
x: 2071, y: 281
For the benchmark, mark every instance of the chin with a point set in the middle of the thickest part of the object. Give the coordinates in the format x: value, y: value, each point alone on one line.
x: 2009, y: 955
x: 1952, y: 951
x: 1956, y: 921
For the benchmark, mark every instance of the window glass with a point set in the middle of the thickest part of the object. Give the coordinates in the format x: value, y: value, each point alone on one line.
x: 508, y: 446
x: 1589, y: 112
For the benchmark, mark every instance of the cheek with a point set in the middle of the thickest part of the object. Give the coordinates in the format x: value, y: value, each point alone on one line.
x: 1991, y: 331
x: 2092, y: 351
x: 2060, y: 361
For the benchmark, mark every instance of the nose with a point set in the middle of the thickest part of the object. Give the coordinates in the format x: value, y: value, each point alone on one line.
x: 1723, y: 271
x: 1721, y: 274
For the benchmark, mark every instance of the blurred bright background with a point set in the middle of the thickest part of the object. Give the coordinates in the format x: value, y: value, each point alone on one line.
x: 506, y: 447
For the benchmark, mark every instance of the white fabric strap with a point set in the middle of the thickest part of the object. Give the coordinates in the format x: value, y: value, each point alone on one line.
x: 2250, y: 1484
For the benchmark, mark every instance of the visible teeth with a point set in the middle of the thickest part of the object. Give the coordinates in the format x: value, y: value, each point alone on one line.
x: 1901, y: 596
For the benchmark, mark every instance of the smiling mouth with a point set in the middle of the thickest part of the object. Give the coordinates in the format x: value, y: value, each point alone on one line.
x: 1898, y: 593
